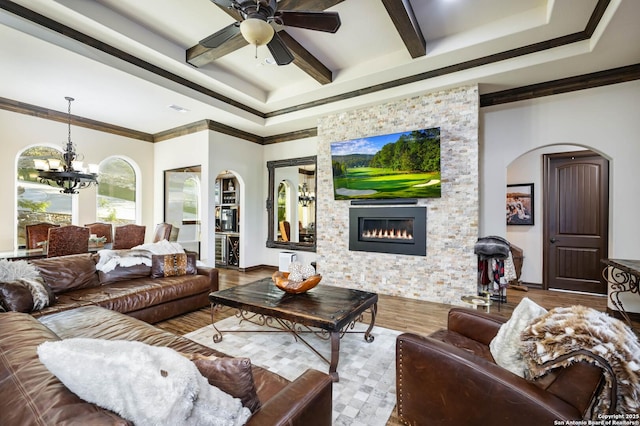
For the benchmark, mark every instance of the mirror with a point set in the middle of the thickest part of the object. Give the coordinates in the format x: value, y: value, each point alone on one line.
x: 291, y: 205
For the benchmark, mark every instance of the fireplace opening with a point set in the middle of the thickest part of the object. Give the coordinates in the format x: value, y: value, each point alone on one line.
x: 387, y: 230
x: 397, y: 230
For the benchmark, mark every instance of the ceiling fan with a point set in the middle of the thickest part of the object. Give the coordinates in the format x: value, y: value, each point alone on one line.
x: 255, y: 25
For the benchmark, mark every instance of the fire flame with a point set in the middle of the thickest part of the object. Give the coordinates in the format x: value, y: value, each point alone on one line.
x: 388, y: 234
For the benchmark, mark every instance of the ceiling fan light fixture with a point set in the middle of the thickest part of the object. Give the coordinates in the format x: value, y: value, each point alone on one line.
x: 256, y: 31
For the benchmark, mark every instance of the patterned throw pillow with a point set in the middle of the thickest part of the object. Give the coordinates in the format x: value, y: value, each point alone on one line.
x: 173, y: 265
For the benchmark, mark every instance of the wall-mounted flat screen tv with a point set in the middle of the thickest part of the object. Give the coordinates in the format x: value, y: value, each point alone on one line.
x: 399, y: 165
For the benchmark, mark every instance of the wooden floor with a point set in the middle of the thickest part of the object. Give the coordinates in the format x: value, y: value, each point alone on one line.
x: 396, y: 313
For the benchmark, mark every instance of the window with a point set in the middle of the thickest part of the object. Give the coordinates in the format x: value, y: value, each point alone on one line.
x: 39, y: 202
x: 116, y: 199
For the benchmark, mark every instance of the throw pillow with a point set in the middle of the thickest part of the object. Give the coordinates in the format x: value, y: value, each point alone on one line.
x: 147, y: 385
x: 121, y: 273
x: 66, y: 273
x: 15, y: 296
x: 21, y: 287
x: 233, y: 376
x: 173, y: 265
x: 506, y: 347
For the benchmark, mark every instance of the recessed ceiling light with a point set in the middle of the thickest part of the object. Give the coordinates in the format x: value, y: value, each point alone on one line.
x: 178, y: 108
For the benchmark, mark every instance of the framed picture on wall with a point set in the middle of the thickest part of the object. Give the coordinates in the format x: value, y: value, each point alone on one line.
x: 520, y: 204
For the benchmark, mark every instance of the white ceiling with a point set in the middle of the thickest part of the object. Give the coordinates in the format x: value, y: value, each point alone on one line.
x: 41, y: 67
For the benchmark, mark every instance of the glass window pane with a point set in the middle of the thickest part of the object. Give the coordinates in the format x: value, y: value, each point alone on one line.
x: 116, y: 199
x: 39, y: 202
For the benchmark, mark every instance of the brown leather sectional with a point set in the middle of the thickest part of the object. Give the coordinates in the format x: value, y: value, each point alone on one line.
x: 76, y: 282
x: 451, y: 378
x: 30, y: 394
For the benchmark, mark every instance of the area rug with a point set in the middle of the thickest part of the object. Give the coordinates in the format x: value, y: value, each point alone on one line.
x: 365, y: 394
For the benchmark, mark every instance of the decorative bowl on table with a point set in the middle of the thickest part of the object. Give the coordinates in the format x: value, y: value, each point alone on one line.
x: 282, y: 281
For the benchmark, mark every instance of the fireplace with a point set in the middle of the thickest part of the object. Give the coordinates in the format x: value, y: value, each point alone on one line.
x: 398, y: 230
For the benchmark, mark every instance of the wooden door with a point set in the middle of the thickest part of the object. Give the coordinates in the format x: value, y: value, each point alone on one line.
x: 576, y: 221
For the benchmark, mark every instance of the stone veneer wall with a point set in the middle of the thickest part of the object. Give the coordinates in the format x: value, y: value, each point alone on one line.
x: 450, y: 268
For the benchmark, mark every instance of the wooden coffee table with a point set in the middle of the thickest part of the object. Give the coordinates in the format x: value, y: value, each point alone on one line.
x: 326, y: 311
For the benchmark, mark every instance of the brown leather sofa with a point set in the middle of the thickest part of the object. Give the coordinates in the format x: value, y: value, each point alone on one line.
x: 76, y: 282
x: 30, y: 394
x: 451, y: 378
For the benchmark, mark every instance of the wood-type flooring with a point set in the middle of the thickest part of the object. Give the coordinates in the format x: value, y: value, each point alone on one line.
x: 397, y: 313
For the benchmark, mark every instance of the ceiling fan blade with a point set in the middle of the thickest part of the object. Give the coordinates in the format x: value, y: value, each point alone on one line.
x: 279, y: 50
x: 223, y: 3
x: 218, y: 38
x: 319, y: 21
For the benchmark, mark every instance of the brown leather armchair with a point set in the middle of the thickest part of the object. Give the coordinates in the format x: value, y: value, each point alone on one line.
x: 450, y: 378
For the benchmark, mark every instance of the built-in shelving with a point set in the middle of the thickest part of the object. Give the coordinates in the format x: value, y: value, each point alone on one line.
x: 227, y: 211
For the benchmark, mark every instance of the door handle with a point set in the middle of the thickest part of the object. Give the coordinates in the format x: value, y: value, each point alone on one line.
x: 553, y: 240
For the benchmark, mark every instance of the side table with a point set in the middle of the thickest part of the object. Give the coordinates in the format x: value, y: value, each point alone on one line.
x: 476, y: 300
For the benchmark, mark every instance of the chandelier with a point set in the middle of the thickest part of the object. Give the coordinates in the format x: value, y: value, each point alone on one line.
x: 70, y: 173
x: 305, y: 197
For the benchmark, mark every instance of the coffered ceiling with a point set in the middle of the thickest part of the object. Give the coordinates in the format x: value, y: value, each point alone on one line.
x: 127, y: 62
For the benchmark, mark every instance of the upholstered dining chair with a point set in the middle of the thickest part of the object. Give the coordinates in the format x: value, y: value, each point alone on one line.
x: 101, y: 229
x: 173, y: 236
x: 65, y: 240
x: 37, y: 233
x: 128, y: 236
x: 162, y: 232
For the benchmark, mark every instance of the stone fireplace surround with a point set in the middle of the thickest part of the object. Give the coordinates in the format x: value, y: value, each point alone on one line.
x: 449, y: 269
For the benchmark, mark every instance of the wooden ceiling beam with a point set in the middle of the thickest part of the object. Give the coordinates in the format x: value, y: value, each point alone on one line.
x: 199, y: 56
x: 401, y: 13
x: 307, y: 4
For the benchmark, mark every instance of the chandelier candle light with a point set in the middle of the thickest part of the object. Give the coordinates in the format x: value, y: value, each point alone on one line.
x: 70, y: 173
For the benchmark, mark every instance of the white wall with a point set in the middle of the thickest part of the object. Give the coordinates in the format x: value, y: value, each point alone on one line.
x: 183, y: 151
x: 604, y: 119
x: 20, y: 131
x: 244, y: 160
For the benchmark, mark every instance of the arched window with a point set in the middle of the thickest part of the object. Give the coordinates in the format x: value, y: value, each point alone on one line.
x: 116, y: 199
x: 39, y: 202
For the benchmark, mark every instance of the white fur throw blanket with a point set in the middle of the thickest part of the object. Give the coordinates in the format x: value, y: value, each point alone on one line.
x: 138, y: 255
x: 161, y: 247
x: 110, y: 259
x: 147, y: 385
x: 562, y: 331
x: 14, y: 270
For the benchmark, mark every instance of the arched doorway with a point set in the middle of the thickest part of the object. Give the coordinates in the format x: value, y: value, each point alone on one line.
x: 529, y: 168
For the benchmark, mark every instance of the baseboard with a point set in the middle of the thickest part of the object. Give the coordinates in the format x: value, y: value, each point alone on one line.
x: 256, y: 267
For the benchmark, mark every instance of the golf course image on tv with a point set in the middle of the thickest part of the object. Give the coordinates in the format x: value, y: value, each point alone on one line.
x: 399, y: 165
